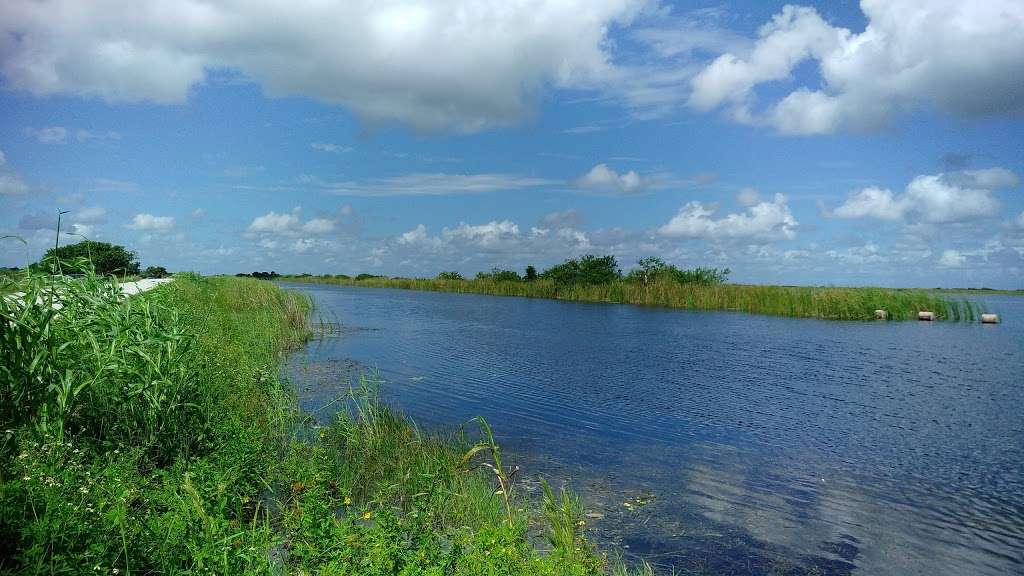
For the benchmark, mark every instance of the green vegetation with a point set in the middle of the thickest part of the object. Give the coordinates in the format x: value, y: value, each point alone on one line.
x: 103, y: 258
x: 151, y: 435
x: 262, y: 275
x: 155, y: 272
x: 655, y: 283
x: 651, y: 269
x: 499, y: 275
x: 588, y: 270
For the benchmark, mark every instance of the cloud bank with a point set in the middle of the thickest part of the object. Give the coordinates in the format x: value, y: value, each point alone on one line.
x: 435, y: 65
x: 964, y: 58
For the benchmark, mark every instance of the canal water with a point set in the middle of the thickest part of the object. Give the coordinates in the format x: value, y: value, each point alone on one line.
x: 717, y: 442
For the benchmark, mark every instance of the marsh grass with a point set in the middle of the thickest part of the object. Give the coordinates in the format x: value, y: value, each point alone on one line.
x: 797, y: 301
x: 377, y: 495
x: 152, y: 435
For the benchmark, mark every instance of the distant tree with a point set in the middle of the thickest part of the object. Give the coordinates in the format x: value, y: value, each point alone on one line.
x: 589, y: 269
x: 102, y: 257
x: 499, y: 275
x: 703, y: 275
x: 450, y: 276
x: 155, y: 272
x: 653, y: 269
x: 647, y: 270
x: 365, y: 276
x: 531, y: 274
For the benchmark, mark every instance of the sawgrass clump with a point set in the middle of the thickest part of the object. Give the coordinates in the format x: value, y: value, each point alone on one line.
x: 830, y: 303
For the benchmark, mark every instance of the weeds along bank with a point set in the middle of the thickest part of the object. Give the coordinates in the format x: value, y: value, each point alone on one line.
x: 151, y: 435
x: 806, y: 302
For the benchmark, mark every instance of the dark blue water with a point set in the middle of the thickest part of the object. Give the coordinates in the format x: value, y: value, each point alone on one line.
x: 744, y: 444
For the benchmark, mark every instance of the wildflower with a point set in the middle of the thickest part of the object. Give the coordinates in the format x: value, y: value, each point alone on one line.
x: 348, y: 501
x: 116, y: 571
x: 23, y: 455
x: 83, y: 490
x: 26, y: 478
x: 367, y: 515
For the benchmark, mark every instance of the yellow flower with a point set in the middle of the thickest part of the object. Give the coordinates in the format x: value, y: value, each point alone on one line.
x: 367, y: 515
x: 348, y: 501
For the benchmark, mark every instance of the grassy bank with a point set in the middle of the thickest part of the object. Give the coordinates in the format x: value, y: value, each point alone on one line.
x: 806, y: 302
x: 151, y: 435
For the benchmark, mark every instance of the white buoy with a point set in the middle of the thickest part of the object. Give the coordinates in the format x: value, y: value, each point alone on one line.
x: 926, y: 316
x: 881, y: 314
x: 990, y: 318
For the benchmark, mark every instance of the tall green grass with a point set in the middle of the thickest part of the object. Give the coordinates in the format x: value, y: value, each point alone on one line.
x: 152, y: 435
x: 141, y: 432
x: 805, y: 302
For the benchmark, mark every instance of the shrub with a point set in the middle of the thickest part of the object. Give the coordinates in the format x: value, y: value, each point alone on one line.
x: 365, y: 276
x: 101, y: 257
x: 499, y: 275
x: 450, y: 276
x: 653, y: 269
x: 260, y: 275
x: 531, y: 274
x: 589, y: 269
x: 155, y: 272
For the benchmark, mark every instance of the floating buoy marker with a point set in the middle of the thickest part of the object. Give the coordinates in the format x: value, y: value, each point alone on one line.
x: 881, y: 314
x: 990, y: 318
x: 926, y: 316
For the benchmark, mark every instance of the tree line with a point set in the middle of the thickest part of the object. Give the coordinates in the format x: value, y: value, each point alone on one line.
x: 591, y: 269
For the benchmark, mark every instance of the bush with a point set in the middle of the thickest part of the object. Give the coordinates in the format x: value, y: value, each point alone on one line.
x: 589, y: 269
x: 450, y: 276
x: 259, y: 275
x: 652, y: 269
x: 531, y: 274
x: 101, y: 257
x: 365, y: 276
x: 499, y: 275
x: 155, y: 272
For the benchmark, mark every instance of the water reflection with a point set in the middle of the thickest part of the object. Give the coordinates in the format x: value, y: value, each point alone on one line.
x: 757, y: 445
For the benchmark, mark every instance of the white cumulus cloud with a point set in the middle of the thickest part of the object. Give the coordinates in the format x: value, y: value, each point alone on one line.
x: 484, y: 235
x: 151, y: 223
x: 433, y: 64
x: 939, y: 198
x: 965, y: 58
x: 765, y: 221
x: 603, y: 178
x: 290, y: 224
x: 275, y: 223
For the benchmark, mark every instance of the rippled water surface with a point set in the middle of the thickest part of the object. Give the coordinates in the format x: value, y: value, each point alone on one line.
x: 744, y: 444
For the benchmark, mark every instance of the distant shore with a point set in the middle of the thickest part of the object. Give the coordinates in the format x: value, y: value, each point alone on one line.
x: 828, y: 303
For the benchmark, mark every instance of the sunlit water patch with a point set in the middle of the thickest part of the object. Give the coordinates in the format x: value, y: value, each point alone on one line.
x: 718, y: 442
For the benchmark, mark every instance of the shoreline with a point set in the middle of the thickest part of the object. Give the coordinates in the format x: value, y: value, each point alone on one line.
x: 178, y: 447
x: 824, y: 303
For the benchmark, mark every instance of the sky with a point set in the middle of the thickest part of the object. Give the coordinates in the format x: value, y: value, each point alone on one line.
x: 832, y: 143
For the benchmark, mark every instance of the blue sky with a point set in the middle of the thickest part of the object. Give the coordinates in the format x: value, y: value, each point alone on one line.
x: 841, y: 143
